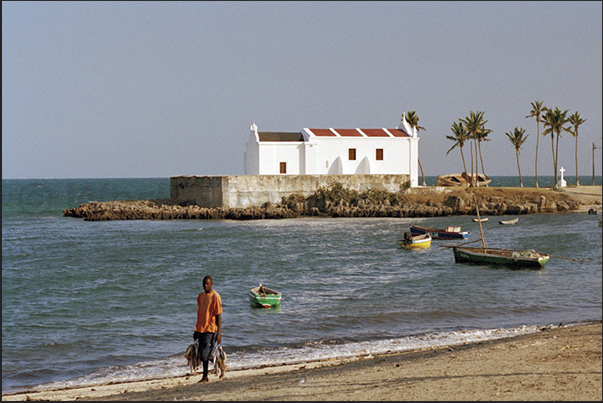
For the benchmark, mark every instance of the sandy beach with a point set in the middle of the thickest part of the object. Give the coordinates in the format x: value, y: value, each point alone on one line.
x: 590, y: 197
x: 557, y: 363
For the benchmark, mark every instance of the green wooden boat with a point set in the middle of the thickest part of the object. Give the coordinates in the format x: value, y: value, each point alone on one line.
x: 264, y: 297
x: 518, y: 259
x: 506, y: 257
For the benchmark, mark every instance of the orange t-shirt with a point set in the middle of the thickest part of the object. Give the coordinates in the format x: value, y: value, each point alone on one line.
x: 209, y: 305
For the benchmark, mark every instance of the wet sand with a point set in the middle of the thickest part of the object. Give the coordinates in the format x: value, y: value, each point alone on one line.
x: 557, y: 363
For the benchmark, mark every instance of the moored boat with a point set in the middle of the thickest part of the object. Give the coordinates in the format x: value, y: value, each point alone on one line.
x: 415, y: 242
x: 480, y: 219
x: 436, y: 233
x: 497, y: 256
x: 264, y: 297
x: 510, y: 222
x: 506, y: 257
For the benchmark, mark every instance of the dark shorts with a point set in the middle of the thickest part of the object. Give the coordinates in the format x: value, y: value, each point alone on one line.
x: 206, y: 343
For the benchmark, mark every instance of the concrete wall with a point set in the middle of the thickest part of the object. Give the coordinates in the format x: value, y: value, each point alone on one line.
x: 205, y: 191
x: 240, y: 191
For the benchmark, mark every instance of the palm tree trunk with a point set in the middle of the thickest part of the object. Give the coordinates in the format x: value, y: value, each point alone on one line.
x: 474, y: 178
x: 463, y: 157
x: 422, y: 174
x: 556, y: 155
x: 554, y: 162
x: 519, y: 168
x: 470, y: 179
x: 536, y: 164
x: 479, y: 143
x: 577, y: 180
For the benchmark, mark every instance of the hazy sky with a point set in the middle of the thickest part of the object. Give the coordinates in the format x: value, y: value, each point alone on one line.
x: 137, y: 89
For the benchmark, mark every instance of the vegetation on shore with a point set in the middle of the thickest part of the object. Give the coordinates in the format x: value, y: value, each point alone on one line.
x: 472, y: 127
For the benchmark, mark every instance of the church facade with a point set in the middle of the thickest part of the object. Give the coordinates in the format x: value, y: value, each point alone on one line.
x: 334, y: 152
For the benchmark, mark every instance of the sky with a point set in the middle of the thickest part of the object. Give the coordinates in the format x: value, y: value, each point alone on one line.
x: 161, y: 89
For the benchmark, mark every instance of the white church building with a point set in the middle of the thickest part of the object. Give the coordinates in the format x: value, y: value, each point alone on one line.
x: 334, y: 152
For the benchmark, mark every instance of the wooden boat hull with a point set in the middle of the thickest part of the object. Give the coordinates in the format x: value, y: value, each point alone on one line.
x: 509, y: 222
x: 267, y: 299
x: 480, y: 219
x: 416, y: 242
x: 436, y: 233
x: 461, y: 180
x: 514, y: 259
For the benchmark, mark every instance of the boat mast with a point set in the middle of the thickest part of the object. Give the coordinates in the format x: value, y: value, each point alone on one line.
x: 479, y: 221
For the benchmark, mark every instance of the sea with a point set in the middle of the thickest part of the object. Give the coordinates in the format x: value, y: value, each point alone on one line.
x: 88, y: 303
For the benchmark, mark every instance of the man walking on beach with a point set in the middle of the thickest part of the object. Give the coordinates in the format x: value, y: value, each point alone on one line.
x: 208, y: 329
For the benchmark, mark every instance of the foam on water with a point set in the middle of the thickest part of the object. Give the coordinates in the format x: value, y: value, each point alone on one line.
x: 317, y: 351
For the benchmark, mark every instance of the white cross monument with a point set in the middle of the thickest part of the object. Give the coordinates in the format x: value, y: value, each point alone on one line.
x: 562, y: 182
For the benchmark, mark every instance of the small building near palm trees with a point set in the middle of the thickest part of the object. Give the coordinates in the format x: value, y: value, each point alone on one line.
x: 334, y: 152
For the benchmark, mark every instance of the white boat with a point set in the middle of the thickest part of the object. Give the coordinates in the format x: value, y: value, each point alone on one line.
x: 509, y: 222
x: 480, y: 219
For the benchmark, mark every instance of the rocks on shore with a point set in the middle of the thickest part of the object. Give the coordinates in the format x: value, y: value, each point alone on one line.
x: 461, y: 202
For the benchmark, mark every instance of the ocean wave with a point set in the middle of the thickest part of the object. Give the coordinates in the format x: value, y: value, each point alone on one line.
x: 175, y: 366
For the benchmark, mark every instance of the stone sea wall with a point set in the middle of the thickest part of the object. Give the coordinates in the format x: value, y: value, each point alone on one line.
x: 241, y: 191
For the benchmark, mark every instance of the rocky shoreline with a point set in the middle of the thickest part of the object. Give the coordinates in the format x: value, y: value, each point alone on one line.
x: 339, y: 202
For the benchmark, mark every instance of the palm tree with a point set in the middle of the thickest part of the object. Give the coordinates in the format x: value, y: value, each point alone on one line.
x: 536, y: 112
x: 471, y: 154
x: 575, y: 120
x: 517, y: 138
x: 413, y: 120
x: 482, y: 137
x: 475, y: 127
x: 555, y: 120
x: 459, y: 138
x: 548, y: 124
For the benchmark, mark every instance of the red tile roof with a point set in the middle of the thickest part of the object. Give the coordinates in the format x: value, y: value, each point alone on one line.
x: 348, y: 132
x: 398, y: 133
x: 356, y: 133
x: 322, y: 132
x: 375, y: 132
